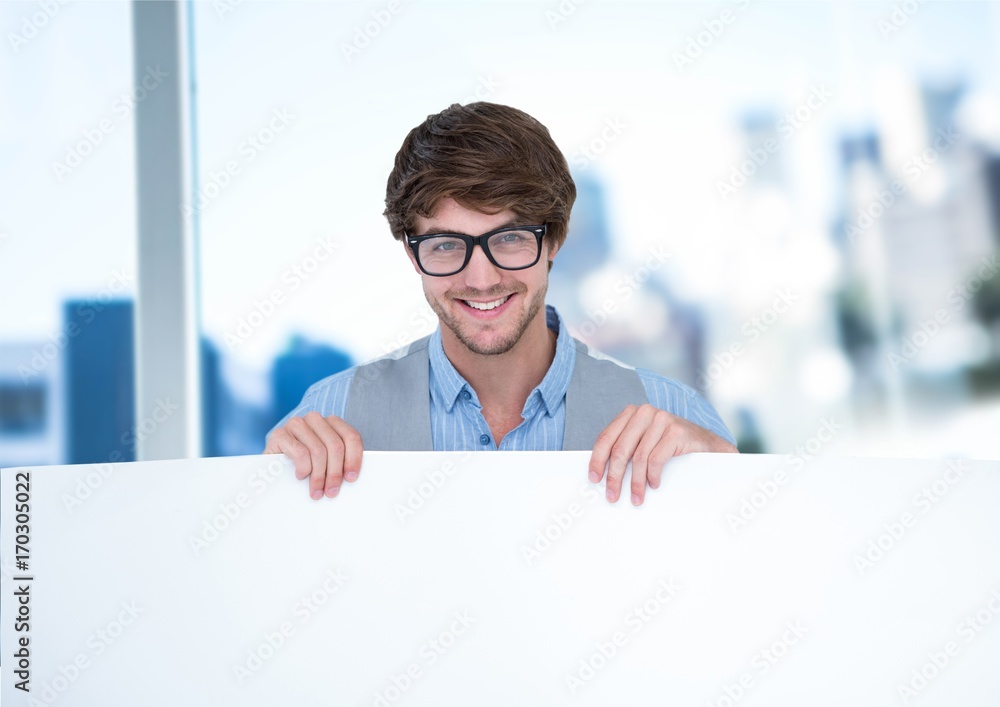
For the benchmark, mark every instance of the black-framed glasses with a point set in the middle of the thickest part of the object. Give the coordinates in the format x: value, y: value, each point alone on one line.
x: 509, y: 248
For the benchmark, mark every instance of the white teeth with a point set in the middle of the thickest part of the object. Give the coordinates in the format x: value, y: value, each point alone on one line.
x: 484, y: 306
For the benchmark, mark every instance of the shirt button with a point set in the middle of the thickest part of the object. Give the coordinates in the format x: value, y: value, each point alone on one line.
x: 484, y: 439
x: 466, y: 395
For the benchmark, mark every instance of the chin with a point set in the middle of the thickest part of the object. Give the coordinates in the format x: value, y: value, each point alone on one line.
x: 488, y: 346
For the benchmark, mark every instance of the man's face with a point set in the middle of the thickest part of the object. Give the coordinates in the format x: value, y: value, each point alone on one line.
x: 522, y: 292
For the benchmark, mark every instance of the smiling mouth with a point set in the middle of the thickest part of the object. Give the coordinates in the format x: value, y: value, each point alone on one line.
x: 486, y: 306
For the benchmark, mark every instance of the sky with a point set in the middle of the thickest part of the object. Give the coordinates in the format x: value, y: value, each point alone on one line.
x: 321, y: 179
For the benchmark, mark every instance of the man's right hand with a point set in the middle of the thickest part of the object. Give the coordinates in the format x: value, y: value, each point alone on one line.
x: 326, y: 449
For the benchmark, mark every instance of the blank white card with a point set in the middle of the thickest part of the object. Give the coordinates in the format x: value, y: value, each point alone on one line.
x: 502, y: 578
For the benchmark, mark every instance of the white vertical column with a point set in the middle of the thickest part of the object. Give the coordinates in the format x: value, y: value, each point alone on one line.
x: 167, y: 394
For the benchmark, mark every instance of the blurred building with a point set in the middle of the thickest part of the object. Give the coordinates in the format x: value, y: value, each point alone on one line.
x: 304, y: 363
x: 625, y: 309
x: 232, y: 422
x: 588, y: 244
x: 992, y: 173
x: 914, y: 235
x: 762, y: 140
x: 31, y: 414
x: 71, y: 400
x: 213, y: 392
x: 772, y: 332
x: 864, y: 309
x: 99, y: 382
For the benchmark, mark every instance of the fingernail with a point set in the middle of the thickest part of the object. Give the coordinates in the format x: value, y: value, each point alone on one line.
x: 611, y: 495
x: 594, y: 478
x: 635, y: 499
x: 351, y: 476
x: 333, y: 492
x: 316, y: 494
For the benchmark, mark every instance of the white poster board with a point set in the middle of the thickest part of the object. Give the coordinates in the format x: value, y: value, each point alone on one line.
x: 502, y: 578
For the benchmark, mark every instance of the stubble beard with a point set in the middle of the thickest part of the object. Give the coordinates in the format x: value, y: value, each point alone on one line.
x: 496, y: 346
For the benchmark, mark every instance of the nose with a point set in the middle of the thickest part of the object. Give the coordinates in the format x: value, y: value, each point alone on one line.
x: 480, y: 273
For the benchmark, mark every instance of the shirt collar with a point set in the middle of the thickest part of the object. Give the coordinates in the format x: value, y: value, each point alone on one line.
x: 447, y: 384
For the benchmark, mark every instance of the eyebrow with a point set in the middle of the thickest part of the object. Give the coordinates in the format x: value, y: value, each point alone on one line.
x: 432, y: 231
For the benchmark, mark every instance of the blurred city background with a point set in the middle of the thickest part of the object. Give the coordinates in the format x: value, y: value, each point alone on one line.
x: 792, y: 207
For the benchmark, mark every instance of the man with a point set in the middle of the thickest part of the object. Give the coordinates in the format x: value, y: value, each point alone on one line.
x: 480, y: 197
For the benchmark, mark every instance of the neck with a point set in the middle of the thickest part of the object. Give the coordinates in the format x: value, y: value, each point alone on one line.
x: 503, y: 381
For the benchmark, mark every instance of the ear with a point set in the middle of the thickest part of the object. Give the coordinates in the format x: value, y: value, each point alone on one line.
x: 553, y: 249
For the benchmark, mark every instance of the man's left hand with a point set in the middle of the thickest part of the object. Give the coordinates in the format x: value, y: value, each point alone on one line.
x: 648, y: 437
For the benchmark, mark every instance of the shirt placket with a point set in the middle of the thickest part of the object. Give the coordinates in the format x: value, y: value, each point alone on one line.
x: 483, y: 438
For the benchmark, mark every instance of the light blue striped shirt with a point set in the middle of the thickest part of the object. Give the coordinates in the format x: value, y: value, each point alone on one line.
x: 457, y: 422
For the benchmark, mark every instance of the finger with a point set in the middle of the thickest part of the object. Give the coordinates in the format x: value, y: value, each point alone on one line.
x: 693, y: 438
x: 353, y: 447
x: 640, y: 459
x: 624, y: 448
x: 292, y: 440
x: 667, y: 448
x: 304, y: 433
x: 333, y: 452
x: 605, y: 441
x: 283, y: 442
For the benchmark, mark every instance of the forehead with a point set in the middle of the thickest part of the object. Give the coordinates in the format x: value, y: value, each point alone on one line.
x: 450, y: 216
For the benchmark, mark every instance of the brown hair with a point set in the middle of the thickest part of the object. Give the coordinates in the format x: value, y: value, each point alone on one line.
x: 487, y: 157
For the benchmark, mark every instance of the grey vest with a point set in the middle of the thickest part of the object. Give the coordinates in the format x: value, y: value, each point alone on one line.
x: 389, y: 401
